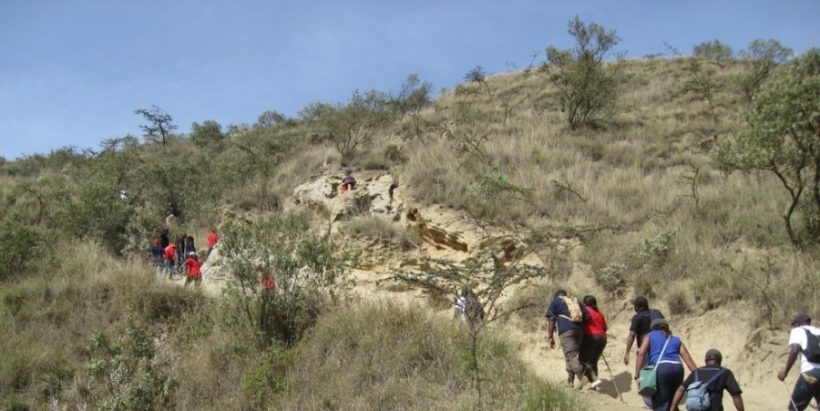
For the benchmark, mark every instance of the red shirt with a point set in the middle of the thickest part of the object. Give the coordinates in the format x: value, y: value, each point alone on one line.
x: 193, y: 267
x: 596, y: 325
x: 212, y: 239
x: 268, y: 283
x: 170, y: 252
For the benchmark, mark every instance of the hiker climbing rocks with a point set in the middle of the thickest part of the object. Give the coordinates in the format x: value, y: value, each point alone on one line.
x: 804, y: 339
x: 193, y: 268
x: 467, y: 307
x: 704, y: 387
x: 570, y: 316
x: 348, y: 182
x: 640, y: 324
x: 212, y: 240
x: 593, y: 341
x: 663, y: 351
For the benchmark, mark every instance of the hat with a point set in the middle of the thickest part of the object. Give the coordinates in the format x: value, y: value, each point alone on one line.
x: 714, y: 354
x: 192, y: 254
x: 801, y: 319
x: 658, y: 321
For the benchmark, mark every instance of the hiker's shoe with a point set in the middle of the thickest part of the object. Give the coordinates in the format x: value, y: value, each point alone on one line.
x: 581, y: 383
x: 594, y: 385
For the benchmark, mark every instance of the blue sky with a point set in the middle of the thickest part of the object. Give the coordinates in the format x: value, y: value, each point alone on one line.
x: 73, y: 72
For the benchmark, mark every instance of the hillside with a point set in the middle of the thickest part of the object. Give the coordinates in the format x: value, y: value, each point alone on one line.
x: 650, y: 199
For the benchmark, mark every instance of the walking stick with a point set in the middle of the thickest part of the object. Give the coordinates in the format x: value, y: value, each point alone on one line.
x: 791, y: 401
x: 614, y: 383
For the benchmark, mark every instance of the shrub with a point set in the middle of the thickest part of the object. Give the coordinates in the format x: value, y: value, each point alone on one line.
x: 21, y: 245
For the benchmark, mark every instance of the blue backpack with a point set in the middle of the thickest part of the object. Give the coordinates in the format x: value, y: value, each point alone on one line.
x: 697, y: 397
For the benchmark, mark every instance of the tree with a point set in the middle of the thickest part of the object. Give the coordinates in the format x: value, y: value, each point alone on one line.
x: 587, y: 88
x: 479, y: 76
x: 412, y: 98
x: 783, y: 136
x: 485, y: 276
x: 262, y: 151
x: 160, y: 123
x: 309, y: 273
x: 206, y: 134
x: 714, y: 50
x: 350, y: 127
x: 764, y: 56
x: 270, y: 119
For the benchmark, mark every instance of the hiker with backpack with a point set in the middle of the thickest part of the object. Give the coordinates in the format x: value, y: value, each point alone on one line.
x: 594, y: 340
x: 704, y: 387
x: 662, y: 352
x: 569, y: 315
x: 804, y: 339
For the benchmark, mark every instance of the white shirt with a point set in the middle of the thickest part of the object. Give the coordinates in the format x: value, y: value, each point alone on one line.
x: 798, y: 337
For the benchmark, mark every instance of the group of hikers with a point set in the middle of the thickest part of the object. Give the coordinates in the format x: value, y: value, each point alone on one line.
x: 661, y: 356
x: 179, y: 256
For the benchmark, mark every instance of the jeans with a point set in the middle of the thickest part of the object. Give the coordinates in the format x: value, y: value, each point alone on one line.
x: 670, y: 377
x: 805, y: 391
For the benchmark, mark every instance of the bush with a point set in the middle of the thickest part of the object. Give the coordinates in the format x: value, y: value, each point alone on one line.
x: 21, y: 245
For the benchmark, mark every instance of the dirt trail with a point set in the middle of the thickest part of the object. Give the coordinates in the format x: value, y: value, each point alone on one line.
x: 725, y: 328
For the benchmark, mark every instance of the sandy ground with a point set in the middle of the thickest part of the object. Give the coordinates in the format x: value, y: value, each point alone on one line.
x: 727, y: 329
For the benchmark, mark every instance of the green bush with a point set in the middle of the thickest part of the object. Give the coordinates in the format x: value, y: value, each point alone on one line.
x: 21, y: 245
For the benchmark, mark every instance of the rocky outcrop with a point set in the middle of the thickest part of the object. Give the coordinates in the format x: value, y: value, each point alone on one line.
x: 376, y: 192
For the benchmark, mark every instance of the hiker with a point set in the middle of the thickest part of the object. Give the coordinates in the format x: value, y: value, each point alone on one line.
x: 570, y: 316
x: 155, y: 253
x: 593, y: 341
x: 193, y: 268
x: 640, y: 324
x: 664, y: 351
x: 348, y: 182
x: 212, y: 240
x: 467, y: 307
x: 164, y: 239
x: 170, y: 257
x: 803, y: 339
x: 712, y: 379
x: 267, y: 281
x: 180, y: 248
x: 189, y: 245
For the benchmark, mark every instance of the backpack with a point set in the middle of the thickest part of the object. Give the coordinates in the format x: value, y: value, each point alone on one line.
x: 812, y: 351
x: 697, y: 396
x: 575, y: 314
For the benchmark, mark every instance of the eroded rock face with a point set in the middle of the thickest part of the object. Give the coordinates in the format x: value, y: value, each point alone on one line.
x: 375, y: 192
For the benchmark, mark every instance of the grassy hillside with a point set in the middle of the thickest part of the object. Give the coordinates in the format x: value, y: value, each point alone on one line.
x: 643, y: 192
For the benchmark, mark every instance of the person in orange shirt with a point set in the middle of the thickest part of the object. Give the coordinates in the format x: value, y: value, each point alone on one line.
x: 267, y: 282
x: 212, y: 240
x: 168, y: 261
x: 194, y: 271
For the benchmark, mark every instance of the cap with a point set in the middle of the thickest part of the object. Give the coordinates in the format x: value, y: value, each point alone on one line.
x: 658, y: 321
x: 192, y: 254
x: 801, y: 319
x: 714, y: 354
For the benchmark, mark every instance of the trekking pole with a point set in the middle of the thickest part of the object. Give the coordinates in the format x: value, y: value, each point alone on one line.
x: 791, y: 401
x: 612, y: 375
